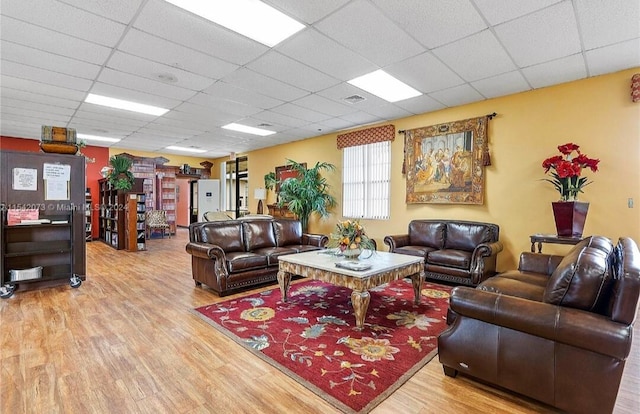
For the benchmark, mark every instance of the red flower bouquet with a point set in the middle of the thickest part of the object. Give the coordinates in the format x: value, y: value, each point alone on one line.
x: 566, y: 170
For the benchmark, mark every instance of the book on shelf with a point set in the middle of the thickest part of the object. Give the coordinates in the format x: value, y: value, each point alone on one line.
x: 34, y: 221
x: 59, y: 221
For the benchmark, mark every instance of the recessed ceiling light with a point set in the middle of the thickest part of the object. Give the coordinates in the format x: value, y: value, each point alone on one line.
x: 97, y: 138
x: 249, y: 130
x: 185, y: 149
x: 385, y: 86
x: 250, y: 18
x: 126, y: 105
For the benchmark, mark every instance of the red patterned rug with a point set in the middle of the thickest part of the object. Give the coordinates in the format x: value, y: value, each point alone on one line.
x: 313, y: 339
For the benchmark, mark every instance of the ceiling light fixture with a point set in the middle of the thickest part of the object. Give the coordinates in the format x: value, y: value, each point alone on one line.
x: 385, y: 86
x: 126, y: 105
x: 97, y: 138
x: 249, y: 130
x: 250, y: 18
x: 185, y: 149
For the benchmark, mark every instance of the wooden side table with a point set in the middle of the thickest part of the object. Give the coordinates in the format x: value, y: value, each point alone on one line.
x: 551, y: 238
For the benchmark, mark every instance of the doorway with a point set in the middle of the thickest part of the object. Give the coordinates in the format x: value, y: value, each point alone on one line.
x: 235, y: 188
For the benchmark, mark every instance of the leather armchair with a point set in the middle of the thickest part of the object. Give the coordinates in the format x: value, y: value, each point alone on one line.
x: 558, y: 329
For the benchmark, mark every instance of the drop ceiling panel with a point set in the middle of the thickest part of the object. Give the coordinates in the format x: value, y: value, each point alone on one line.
x: 307, y: 11
x: 38, y: 88
x: 504, y: 84
x: 171, y: 22
x: 557, y: 71
x: 215, y: 104
x: 542, y: 36
x: 500, y: 11
x: 326, y: 106
x: 435, y: 23
x: 134, y: 82
x: 36, y: 97
x: 425, y: 73
x: 121, y: 11
x: 272, y: 117
x: 361, y: 118
x: 169, y: 53
x: 34, y: 74
x: 148, y: 98
x: 595, y: 19
x: 109, y: 117
x: 229, y: 92
x: 299, y: 112
x: 361, y: 27
x: 31, y: 106
x: 476, y: 57
x: 248, y: 79
x: 318, y: 51
x: 420, y: 104
x: 458, y: 95
x: 615, y: 57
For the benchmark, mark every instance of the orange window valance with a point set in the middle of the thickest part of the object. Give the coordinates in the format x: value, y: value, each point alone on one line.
x: 366, y: 136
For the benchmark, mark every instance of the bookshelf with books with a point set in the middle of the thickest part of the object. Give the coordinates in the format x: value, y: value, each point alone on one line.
x: 135, y: 222
x: 111, y: 221
x: 167, y: 194
x: 88, y: 209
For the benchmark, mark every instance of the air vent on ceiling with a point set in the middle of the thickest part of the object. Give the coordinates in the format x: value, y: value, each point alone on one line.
x: 264, y: 124
x: 354, y: 99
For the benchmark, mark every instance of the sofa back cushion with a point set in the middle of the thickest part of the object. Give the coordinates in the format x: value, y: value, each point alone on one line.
x: 583, y: 279
x: 466, y: 236
x: 258, y: 234
x: 226, y: 234
x: 625, y: 292
x: 288, y: 232
x: 427, y: 233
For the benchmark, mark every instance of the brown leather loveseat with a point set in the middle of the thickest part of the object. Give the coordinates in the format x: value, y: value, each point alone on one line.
x: 457, y: 251
x: 558, y: 329
x: 235, y: 254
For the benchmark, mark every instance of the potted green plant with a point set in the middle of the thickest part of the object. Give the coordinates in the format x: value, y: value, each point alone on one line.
x: 307, y: 193
x: 120, y: 177
x: 270, y: 180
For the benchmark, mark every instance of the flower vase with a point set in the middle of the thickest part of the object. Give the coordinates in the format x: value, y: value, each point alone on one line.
x: 352, y: 254
x: 570, y: 217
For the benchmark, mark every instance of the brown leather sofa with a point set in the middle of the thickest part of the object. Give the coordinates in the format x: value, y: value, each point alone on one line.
x: 558, y: 329
x: 236, y: 254
x: 457, y: 251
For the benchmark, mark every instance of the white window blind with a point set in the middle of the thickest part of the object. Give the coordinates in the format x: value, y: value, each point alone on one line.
x: 366, y: 181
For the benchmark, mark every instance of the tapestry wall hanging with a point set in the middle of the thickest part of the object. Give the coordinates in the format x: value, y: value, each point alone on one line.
x: 445, y: 162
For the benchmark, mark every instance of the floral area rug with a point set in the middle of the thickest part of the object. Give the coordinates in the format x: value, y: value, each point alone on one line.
x: 313, y: 338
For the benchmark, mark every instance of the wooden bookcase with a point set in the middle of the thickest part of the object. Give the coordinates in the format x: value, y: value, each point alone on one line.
x: 88, y: 208
x: 135, y: 222
x: 42, y: 253
x: 111, y: 221
x: 167, y: 194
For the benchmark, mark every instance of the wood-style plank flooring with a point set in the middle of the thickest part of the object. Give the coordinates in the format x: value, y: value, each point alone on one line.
x: 126, y: 342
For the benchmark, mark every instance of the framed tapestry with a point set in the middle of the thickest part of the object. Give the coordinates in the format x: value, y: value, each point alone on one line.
x: 286, y: 171
x: 444, y: 163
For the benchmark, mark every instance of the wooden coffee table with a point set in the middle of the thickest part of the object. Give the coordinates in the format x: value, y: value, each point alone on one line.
x: 385, y: 267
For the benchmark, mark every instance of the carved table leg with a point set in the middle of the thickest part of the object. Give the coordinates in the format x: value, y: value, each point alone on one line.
x: 360, y: 302
x: 284, y: 280
x: 416, y: 281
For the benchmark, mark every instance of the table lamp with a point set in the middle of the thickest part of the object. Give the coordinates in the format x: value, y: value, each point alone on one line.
x: 260, y: 194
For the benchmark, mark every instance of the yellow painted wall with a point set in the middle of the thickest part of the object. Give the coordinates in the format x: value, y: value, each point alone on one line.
x: 595, y: 113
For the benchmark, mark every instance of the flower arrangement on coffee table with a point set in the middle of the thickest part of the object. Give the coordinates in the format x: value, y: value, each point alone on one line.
x: 566, y: 170
x: 350, y: 238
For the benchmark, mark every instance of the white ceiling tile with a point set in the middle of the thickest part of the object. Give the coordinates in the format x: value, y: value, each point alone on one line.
x: 500, y: 11
x: 318, y: 51
x: 210, y: 105
x: 361, y: 118
x: 41, y: 59
x: 84, y: 126
x: 557, y: 71
x: 171, y: 22
x: 63, y: 18
x: 425, y: 73
x: 48, y: 40
x: 458, y: 95
x: 35, y: 113
x: 36, y: 97
x: 277, y: 118
x: 307, y: 11
x: 33, y: 106
x: 149, y: 69
x: 420, y: 104
x: 389, y: 111
x: 476, y: 57
x: 616, y: 57
x: 39, y: 118
x: 121, y: 11
x: 435, y: 23
x: 167, y: 131
x: 362, y: 28
x: 595, y: 19
x: 504, y: 84
x: 542, y: 36
x: 44, y: 76
x: 134, y: 82
x: 285, y: 69
x: 108, y: 117
x: 228, y: 92
x: 299, y: 112
x: 344, y: 90
x: 248, y: 79
x: 12, y: 82
x: 118, y: 92
x: 324, y: 105
x: 159, y: 50
x: 336, y: 124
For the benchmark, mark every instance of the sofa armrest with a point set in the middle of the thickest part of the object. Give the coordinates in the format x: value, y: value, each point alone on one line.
x: 205, y: 251
x: 538, y: 263
x: 569, y: 326
x: 487, y: 250
x: 319, y: 240
x: 395, y: 241
x: 483, y: 261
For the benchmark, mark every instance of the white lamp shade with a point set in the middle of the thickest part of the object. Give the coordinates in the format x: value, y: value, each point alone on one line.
x: 260, y: 194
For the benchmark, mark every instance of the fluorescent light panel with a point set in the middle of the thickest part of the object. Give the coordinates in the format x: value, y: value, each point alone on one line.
x: 385, y: 86
x: 126, y: 105
x: 97, y: 138
x: 250, y: 18
x: 249, y: 130
x: 185, y: 149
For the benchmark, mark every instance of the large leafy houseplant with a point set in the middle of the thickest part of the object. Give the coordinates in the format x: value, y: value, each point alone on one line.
x: 307, y: 193
x: 120, y: 177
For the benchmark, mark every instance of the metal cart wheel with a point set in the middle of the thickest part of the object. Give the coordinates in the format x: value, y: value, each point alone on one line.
x: 75, y: 281
x: 6, y: 291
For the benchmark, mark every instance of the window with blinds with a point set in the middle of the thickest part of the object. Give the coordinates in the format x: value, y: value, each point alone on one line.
x: 366, y: 181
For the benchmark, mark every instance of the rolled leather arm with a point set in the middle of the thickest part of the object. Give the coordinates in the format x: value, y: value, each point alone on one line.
x: 395, y: 241
x: 538, y: 263
x: 574, y: 327
x: 487, y: 249
x: 319, y: 240
x: 205, y: 251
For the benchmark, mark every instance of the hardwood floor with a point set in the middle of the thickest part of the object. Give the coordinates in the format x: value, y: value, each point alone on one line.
x: 126, y: 342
